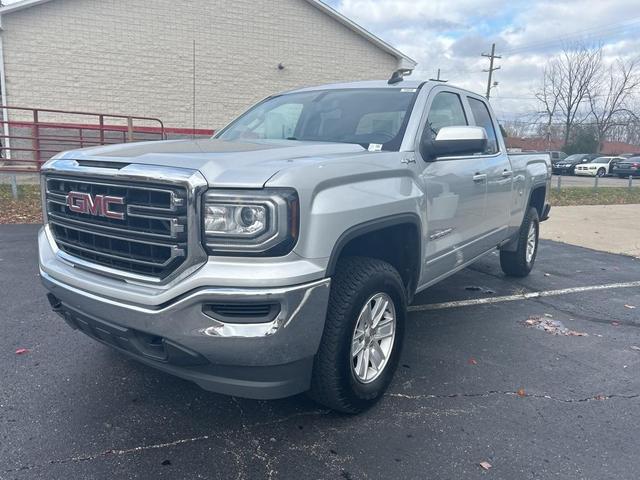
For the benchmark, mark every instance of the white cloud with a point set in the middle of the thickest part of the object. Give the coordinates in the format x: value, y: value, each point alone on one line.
x: 451, y: 35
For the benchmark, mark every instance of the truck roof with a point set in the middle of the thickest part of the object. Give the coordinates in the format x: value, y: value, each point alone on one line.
x: 378, y: 84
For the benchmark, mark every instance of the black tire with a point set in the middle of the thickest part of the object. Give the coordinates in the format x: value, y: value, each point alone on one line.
x: 515, y: 264
x: 334, y: 383
x: 601, y: 172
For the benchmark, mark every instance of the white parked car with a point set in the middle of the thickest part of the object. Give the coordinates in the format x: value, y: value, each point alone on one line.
x: 600, y: 166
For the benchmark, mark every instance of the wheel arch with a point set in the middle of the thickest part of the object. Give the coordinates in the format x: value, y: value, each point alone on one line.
x: 537, y: 199
x: 395, y: 239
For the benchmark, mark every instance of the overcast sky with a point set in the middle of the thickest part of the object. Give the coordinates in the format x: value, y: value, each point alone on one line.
x: 451, y: 35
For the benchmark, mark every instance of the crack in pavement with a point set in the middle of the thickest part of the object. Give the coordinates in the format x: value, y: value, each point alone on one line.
x: 509, y: 393
x: 127, y: 451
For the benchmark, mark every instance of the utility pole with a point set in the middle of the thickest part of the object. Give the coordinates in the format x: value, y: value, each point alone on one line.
x: 491, y: 57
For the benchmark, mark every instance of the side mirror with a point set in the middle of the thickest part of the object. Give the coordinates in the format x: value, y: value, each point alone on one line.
x: 455, y: 141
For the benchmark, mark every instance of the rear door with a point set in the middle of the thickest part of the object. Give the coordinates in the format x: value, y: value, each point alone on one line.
x: 499, y: 175
x: 612, y: 163
x: 455, y: 189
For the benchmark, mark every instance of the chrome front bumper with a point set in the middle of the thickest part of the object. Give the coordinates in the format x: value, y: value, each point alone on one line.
x: 269, y: 359
x: 586, y: 173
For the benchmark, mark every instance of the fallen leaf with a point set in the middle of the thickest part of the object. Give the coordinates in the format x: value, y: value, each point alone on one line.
x: 166, y: 462
x: 548, y: 315
x: 521, y: 392
x: 573, y: 333
x: 600, y: 397
x: 472, y: 361
x: 633, y: 347
x: 615, y: 324
x: 485, y: 465
x: 22, y: 351
x: 629, y: 306
x: 547, y: 274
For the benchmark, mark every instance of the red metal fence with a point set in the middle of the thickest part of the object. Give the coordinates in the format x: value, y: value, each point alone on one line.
x: 30, y: 136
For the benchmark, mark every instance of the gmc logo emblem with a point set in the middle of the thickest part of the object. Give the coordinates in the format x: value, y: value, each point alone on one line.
x: 99, y: 206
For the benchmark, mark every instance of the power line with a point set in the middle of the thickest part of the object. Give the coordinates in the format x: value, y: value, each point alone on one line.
x: 593, y: 32
x: 491, y: 57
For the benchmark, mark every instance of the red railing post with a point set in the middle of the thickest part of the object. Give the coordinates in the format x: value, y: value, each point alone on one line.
x: 101, y: 121
x: 129, y: 129
x: 36, y: 137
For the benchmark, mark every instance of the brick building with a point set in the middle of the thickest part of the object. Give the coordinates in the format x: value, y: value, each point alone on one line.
x: 543, y: 144
x: 137, y: 56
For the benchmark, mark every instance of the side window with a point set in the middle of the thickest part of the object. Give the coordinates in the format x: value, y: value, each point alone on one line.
x: 446, y: 111
x: 482, y: 118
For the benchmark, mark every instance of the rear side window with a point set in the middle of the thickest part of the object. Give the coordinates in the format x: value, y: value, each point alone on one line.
x: 446, y: 111
x: 483, y: 119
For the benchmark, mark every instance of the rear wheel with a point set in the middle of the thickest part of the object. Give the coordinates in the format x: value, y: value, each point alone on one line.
x: 520, y: 262
x: 363, y: 335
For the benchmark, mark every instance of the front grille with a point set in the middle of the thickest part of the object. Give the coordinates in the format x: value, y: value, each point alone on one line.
x: 150, y: 240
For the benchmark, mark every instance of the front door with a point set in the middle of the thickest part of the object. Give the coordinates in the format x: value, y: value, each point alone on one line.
x: 455, y: 190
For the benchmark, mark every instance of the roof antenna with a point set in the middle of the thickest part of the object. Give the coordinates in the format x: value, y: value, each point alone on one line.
x: 398, y: 75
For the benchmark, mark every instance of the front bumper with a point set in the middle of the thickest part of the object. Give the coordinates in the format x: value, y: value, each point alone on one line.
x: 562, y: 170
x: 182, y: 336
x: 586, y: 173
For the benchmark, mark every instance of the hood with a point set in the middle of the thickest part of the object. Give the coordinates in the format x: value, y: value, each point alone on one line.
x: 223, y: 163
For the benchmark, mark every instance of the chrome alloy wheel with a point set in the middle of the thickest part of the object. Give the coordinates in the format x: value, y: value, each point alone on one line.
x: 531, y: 242
x: 373, y: 337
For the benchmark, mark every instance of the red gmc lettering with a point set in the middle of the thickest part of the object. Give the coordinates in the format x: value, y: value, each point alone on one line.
x: 100, y: 205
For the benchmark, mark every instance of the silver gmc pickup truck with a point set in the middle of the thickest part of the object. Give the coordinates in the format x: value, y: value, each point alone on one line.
x: 279, y: 256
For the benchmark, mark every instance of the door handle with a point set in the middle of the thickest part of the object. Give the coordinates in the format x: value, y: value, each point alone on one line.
x: 479, y: 177
x: 506, y: 173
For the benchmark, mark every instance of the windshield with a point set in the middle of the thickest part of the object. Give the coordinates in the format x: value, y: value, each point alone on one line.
x: 600, y: 160
x: 574, y: 158
x: 364, y: 116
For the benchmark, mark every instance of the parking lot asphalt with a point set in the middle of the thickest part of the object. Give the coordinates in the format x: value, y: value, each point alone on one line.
x: 476, y: 383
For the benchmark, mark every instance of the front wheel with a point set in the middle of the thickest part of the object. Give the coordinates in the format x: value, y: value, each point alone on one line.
x: 520, y: 262
x: 363, y: 335
x: 601, y: 172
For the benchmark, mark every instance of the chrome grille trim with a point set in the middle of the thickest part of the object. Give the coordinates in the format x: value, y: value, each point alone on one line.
x: 179, y: 242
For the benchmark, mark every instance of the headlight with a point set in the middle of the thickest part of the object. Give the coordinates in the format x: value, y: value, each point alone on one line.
x: 250, y: 222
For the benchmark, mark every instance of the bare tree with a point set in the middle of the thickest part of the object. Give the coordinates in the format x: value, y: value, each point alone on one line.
x: 610, y: 97
x: 518, y: 128
x: 568, y: 78
x: 548, y: 95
